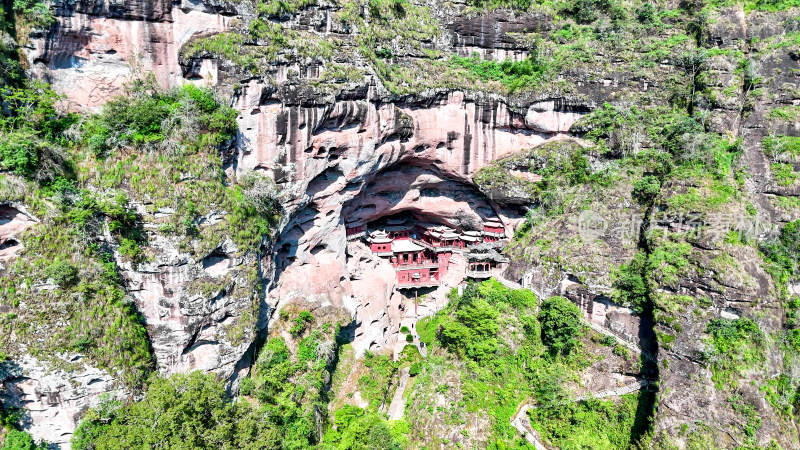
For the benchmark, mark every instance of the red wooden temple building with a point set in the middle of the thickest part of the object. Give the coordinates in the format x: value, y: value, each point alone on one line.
x: 420, y: 252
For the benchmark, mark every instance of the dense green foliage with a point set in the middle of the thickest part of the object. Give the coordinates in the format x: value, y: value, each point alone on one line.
x: 31, y: 132
x: 472, y: 331
x: 151, y: 118
x: 591, y: 423
x: 513, y: 75
x: 735, y: 346
x: 357, y: 430
x: 20, y: 440
x: 630, y: 284
x: 288, y: 379
x: 519, y: 368
x: 183, y: 411
x: 282, y: 399
x: 289, y: 406
x: 472, y: 334
x: 783, y: 253
x: 646, y: 188
x: 562, y: 325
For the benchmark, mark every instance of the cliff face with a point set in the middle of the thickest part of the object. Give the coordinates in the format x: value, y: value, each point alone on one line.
x: 353, y: 138
x: 95, y: 46
x: 356, y: 154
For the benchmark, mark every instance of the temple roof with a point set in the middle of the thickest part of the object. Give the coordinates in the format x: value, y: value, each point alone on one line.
x: 379, y: 237
x: 397, y: 228
x: 492, y: 223
x: 427, y: 225
x: 491, y: 255
x: 483, y: 247
x: 405, y: 245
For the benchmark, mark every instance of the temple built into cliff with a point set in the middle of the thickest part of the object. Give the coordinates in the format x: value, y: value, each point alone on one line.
x: 420, y: 252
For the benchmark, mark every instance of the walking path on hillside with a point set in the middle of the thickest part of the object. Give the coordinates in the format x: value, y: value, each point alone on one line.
x: 522, y: 422
x: 398, y: 405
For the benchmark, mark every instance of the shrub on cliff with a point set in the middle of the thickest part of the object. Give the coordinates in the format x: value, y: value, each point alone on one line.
x: 630, y: 285
x: 733, y: 346
x: 19, y: 153
x: 561, y: 325
x: 783, y: 253
x: 20, y: 440
x: 62, y: 273
x: 646, y: 189
x: 149, y: 118
x: 31, y: 132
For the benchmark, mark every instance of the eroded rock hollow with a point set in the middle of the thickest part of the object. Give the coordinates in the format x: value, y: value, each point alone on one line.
x: 357, y: 161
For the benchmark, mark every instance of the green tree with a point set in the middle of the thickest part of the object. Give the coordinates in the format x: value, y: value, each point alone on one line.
x: 356, y: 430
x: 630, y: 286
x: 646, y: 188
x: 561, y: 325
x: 473, y: 333
x: 20, y: 440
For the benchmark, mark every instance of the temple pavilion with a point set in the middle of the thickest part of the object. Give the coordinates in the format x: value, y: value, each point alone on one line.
x: 420, y: 252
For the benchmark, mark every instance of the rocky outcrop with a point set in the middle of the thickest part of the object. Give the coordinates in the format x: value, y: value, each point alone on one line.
x: 457, y: 132
x: 13, y: 221
x: 199, y: 314
x: 95, y: 47
x: 54, y: 397
x: 357, y: 160
x: 379, y: 306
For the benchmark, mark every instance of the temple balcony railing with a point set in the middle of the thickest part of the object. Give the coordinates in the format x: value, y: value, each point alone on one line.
x: 482, y: 273
x: 354, y: 236
x: 424, y: 265
x: 416, y: 284
x: 448, y: 248
x: 422, y: 243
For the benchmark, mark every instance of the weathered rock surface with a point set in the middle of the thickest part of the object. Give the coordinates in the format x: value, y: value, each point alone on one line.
x: 13, y: 221
x: 54, y: 397
x: 199, y: 314
x: 379, y: 306
x: 95, y: 47
x: 359, y: 153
